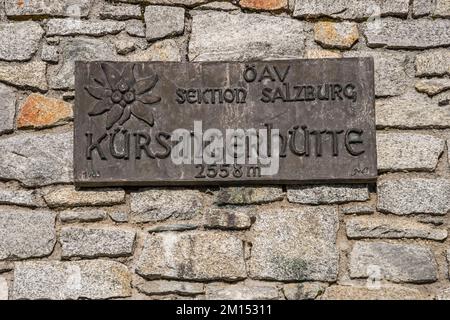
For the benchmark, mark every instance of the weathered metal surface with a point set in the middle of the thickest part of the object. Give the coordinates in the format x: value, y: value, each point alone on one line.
x: 126, y: 115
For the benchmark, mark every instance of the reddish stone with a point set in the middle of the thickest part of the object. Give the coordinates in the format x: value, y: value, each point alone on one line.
x: 39, y: 111
x: 264, y: 4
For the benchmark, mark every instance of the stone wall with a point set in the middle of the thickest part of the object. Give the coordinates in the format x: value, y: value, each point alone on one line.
x: 283, y: 242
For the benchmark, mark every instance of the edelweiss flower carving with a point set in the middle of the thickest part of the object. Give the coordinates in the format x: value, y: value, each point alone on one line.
x: 121, y: 95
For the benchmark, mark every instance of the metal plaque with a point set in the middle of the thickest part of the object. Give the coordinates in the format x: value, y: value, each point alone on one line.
x: 219, y: 123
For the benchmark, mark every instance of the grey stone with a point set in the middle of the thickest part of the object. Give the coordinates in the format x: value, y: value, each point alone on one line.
x: 75, y: 27
x: 325, y: 194
x: 82, y: 215
x: 353, y: 9
x: 227, y: 218
x: 55, y: 280
x: 172, y: 227
x: 192, y: 256
x: 4, y: 292
x: 120, y: 11
x: 96, y: 242
x: 250, y: 290
x: 304, y: 291
x: 20, y: 197
x: 433, y: 63
x: 165, y: 50
x: 358, y: 208
x: 408, y: 151
x: 135, y: 28
x: 20, y: 40
x: 187, y: 3
x: 164, y: 287
x: 50, y: 53
x: 442, y: 9
x: 124, y: 46
x: 411, y: 34
x: 218, y: 5
x: 159, y: 204
x: 119, y: 216
x: 432, y: 87
x: 394, y: 262
x: 434, y: 220
x: 30, y: 75
x: 79, y: 49
x: 8, y: 100
x: 421, y: 8
x: 391, y: 78
x: 385, y: 292
x: 68, y: 196
x: 225, y: 36
x: 163, y: 21
x: 26, y: 233
x: 37, y: 159
x: 411, y: 111
x: 392, y: 228
x: 6, y: 266
x: 249, y: 195
x: 44, y: 8
x: 414, y: 195
x: 295, y: 244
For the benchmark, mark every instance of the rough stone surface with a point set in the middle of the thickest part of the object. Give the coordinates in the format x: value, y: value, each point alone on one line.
x: 414, y: 195
x: 443, y: 294
x: 164, y: 287
x: 163, y: 21
x: 119, y: 216
x: 249, y: 195
x: 188, y: 3
x: 350, y: 9
x: 395, y: 262
x: 4, y: 292
x: 218, y: 5
x: 414, y: 34
x: 342, y: 35
x: 26, y: 234
x: 421, y: 8
x: 225, y: 36
x: 39, y: 111
x: 120, y: 12
x: 50, y: 54
x: 82, y: 215
x: 98, y: 279
x: 442, y: 9
x: 7, y: 108
x: 358, y: 208
x: 322, y: 54
x: 264, y: 4
x: 159, y: 204
x: 79, y: 49
x: 392, y: 83
x: 303, y: 291
x: 192, y: 256
x: 24, y: 75
x: 386, y: 292
x: 411, y: 111
x: 135, y: 28
x: 392, y: 228
x: 43, y: 8
x: 295, y: 244
x: 72, y: 27
x: 228, y: 218
x: 327, y: 194
x: 165, y: 50
x: 96, y: 242
x: 243, y: 291
x: 20, y: 40
x: 432, y: 86
x: 433, y: 63
x: 37, y: 159
x: 20, y: 197
x: 172, y: 227
x: 408, y: 151
x: 68, y: 196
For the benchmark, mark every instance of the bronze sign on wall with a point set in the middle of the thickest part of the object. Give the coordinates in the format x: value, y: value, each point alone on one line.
x: 216, y: 123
